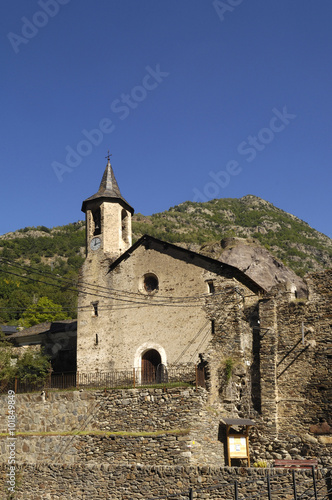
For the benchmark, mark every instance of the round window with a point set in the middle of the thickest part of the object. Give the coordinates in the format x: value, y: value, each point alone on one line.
x: 150, y: 283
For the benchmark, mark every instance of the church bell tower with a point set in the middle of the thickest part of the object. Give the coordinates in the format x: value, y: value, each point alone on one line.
x: 108, y: 218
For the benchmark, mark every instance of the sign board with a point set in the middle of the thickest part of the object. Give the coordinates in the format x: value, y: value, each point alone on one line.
x: 238, y: 446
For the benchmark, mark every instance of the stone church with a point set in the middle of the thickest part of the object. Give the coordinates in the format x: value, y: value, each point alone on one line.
x: 153, y: 309
x: 152, y: 303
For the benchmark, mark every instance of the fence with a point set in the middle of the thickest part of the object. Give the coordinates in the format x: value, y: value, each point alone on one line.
x: 189, y: 374
x: 266, y: 488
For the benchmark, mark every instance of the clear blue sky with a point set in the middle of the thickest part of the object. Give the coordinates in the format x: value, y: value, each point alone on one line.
x: 196, y: 99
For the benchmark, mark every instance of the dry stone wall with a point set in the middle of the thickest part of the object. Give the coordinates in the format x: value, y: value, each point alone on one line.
x: 103, y: 481
x: 279, y: 380
x: 295, y: 353
x: 301, y: 360
x: 57, y: 412
x: 149, y: 426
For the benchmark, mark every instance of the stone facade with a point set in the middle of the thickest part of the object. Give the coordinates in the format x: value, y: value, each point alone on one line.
x: 146, y: 304
x: 172, y: 319
x: 278, y: 351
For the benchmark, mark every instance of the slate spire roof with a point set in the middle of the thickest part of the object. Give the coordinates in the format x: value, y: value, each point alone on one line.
x: 108, y: 190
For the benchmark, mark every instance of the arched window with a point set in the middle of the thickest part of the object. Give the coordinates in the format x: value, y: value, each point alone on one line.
x: 96, y: 221
x: 124, y: 226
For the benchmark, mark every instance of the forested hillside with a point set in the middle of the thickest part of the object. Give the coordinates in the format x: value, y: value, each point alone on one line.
x: 42, y: 262
x: 290, y: 239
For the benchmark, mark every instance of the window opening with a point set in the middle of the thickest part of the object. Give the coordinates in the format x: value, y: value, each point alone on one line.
x: 97, y: 221
x: 97, y: 339
x: 95, y: 308
x: 124, y: 226
x: 212, y: 326
x: 150, y: 283
x: 210, y: 286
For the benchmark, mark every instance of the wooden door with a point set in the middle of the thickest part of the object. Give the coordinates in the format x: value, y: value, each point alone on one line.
x: 150, y: 360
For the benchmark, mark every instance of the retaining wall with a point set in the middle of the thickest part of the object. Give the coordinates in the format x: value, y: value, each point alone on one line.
x: 103, y: 481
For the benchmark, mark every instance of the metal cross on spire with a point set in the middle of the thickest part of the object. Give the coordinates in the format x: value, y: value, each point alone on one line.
x: 108, y: 156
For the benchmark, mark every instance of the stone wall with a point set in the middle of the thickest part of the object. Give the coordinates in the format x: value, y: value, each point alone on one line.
x: 59, y: 411
x: 232, y: 342
x: 113, y: 410
x: 279, y: 380
x: 295, y: 365
x: 102, y: 481
x: 160, y: 449
x: 164, y: 426
x: 301, y: 358
x: 139, y: 443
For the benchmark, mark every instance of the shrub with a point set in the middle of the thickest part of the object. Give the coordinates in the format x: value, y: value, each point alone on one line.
x: 261, y: 463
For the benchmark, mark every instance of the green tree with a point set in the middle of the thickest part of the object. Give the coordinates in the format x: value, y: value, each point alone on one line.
x: 33, y: 366
x: 7, y: 366
x: 44, y: 310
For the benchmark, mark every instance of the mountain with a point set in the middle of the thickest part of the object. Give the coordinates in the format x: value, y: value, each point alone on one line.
x: 249, y: 233
x: 195, y: 225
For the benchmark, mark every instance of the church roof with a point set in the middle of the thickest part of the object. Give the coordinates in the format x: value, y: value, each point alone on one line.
x: 8, y: 330
x: 196, y: 258
x: 108, y: 190
x: 46, y: 327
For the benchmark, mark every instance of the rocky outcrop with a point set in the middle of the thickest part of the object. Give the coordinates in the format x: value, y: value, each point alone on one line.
x: 256, y: 262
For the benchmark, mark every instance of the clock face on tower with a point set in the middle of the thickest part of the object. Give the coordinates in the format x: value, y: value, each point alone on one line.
x: 95, y: 243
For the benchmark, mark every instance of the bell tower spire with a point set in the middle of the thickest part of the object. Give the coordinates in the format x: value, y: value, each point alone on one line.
x: 108, y: 217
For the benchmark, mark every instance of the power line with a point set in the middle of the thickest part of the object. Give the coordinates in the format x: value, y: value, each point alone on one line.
x: 107, y: 289
x: 99, y: 295
x: 124, y: 299
x: 130, y: 297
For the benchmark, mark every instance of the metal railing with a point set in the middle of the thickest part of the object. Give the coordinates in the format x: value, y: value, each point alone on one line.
x: 187, y: 374
x: 262, y: 488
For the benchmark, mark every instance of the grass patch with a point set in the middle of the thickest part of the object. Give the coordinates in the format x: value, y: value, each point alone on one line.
x: 93, y: 432
x: 170, y: 385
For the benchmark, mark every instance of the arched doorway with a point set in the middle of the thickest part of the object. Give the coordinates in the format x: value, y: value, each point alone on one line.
x: 150, y: 360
